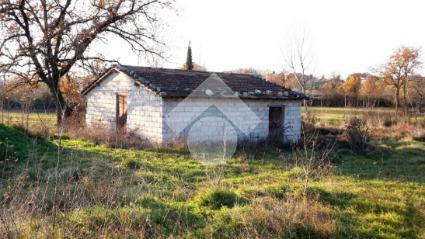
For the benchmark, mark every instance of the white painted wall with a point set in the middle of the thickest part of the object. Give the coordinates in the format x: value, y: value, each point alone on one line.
x: 144, y: 107
x: 147, y: 112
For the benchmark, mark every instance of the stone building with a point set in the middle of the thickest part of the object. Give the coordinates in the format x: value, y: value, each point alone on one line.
x: 162, y: 105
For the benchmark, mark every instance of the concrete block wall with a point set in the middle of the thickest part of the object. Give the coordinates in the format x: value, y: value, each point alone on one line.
x: 205, y: 110
x: 145, y: 114
x: 144, y: 107
x: 236, y: 113
x: 101, y: 103
x: 148, y: 113
x: 292, y: 122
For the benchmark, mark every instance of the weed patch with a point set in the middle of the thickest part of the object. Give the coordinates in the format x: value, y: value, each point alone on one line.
x: 221, y: 198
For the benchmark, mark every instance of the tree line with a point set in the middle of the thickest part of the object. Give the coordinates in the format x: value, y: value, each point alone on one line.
x: 396, y: 83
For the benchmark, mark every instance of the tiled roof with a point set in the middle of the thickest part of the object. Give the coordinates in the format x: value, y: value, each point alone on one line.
x: 182, y: 83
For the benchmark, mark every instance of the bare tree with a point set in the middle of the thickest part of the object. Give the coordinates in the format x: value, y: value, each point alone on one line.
x: 299, y: 60
x: 43, y: 40
x: 397, y: 71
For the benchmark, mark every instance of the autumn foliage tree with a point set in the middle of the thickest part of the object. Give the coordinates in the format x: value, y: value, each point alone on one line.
x: 329, y: 89
x: 351, y: 87
x: 44, y: 40
x: 417, y: 91
x: 372, y: 90
x: 397, y: 72
x: 277, y: 78
x: 17, y: 94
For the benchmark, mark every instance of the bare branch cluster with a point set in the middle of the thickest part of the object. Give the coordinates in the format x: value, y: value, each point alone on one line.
x: 42, y: 40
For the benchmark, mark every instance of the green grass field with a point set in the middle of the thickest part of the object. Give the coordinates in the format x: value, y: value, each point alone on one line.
x: 121, y: 193
x: 332, y: 116
x: 337, y: 116
x: 32, y: 119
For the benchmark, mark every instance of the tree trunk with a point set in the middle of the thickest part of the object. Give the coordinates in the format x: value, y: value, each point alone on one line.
x: 405, y: 98
x: 397, y: 101
x: 62, y: 109
x: 2, y: 109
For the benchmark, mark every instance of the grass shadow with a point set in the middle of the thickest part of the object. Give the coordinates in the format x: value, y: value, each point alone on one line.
x: 392, y: 161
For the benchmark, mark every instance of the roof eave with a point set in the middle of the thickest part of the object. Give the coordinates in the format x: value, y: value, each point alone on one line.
x: 230, y: 97
x: 96, y: 82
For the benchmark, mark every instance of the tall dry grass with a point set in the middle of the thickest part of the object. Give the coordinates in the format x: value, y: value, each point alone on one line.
x: 40, y: 195
x: 268, y: 217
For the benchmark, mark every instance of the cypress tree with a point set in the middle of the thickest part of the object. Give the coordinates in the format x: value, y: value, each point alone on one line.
x: 189, y: 62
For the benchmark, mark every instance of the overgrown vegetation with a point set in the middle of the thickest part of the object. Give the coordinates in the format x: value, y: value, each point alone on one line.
x: 357, y: 134
x: 324, y: 190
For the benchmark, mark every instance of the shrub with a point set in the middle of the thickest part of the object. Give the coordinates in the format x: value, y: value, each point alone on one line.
x: 357, y: 134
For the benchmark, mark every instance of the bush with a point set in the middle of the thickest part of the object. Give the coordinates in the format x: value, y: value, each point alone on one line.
x: 357, y: 134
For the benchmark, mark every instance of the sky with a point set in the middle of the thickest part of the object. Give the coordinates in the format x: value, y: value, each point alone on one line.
x: 342, y: 37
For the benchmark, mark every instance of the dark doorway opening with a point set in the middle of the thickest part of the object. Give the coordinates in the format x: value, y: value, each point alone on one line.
x: 121, y: 116
x: 276, y: 124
